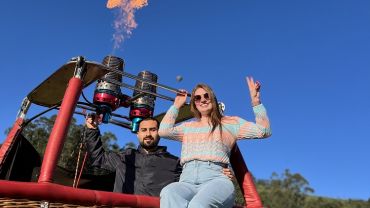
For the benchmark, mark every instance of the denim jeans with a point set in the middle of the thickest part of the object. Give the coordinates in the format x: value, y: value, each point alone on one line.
x: 202, y: 184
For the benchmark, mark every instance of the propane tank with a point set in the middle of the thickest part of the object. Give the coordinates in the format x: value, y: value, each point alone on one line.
x: 143, y: 107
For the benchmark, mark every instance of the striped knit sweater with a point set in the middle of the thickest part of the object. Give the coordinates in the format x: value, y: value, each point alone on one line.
x: 199, y: 144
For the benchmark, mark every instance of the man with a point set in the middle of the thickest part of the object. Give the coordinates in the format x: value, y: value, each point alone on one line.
x: 145, y: 170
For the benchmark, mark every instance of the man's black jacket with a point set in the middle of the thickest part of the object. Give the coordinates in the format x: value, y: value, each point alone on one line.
x: 137, y: 172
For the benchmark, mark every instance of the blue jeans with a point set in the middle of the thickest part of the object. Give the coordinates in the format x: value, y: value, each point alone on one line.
x: 202, y: 184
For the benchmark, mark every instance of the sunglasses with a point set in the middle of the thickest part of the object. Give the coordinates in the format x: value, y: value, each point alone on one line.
x: 198, y: 98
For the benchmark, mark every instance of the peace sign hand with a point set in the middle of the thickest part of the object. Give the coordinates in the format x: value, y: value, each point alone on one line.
x: 254, y: 90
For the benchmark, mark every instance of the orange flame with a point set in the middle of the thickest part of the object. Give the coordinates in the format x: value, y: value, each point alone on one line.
x: 125, y: 20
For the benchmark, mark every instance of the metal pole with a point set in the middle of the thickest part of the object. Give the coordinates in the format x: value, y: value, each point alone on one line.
x: 140, y: 90
x: 61, y: 126
x: 146, y: 81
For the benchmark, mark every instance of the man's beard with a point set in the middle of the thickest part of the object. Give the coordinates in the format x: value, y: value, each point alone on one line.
x: 149, y: 145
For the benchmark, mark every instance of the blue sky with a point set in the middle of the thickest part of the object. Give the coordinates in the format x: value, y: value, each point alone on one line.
x: 311, y: 56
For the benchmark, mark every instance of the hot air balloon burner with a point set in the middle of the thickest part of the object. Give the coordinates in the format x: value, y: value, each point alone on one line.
x: 108, y: 96
x: 143, y: 107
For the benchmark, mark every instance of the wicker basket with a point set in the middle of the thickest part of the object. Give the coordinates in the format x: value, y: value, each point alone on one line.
x: 16, y: 203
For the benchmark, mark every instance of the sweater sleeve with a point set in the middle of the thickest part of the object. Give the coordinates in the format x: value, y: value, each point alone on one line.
x: 260, y: 129
x: 167, y: 128
x: 97, y: 155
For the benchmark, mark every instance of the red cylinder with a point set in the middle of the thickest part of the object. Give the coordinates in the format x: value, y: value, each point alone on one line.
x: 60, y: 129
x: 245, y: 179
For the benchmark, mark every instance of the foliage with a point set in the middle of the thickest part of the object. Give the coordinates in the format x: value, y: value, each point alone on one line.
x: 109, y: 141
x: 239, y: 198
x: 313, y: 202
x: 38, y: 131
x: 129, y: 145
x: 293, y: 191
x: 288, y: 190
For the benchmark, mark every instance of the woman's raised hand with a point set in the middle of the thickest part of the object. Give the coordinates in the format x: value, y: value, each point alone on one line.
x: 180, y: 98
x: 254, y: 90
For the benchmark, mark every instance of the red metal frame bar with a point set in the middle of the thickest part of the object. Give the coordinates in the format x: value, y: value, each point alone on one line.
x: 10, y: 139
x: 58, y: 193
x: 60, y: 129
x: 245, y: 179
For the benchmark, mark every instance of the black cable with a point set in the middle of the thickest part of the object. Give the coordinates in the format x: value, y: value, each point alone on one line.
x: 87, y: 106
x: 40, y: 114
x: 83, y: 95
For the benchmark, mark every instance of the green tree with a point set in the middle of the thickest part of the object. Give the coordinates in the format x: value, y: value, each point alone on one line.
x: 285, y: 191
x: 239, y: 198
x: 293, y: 191
x: 109, y: 142
x: 131, y: 145
x: 314, y: 202
x: 38, y: 131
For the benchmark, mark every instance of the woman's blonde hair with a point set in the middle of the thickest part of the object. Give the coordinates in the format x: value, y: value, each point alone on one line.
x: 215, y: 115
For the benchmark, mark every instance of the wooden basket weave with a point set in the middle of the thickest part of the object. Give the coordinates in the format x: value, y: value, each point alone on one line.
x: 17, y: 203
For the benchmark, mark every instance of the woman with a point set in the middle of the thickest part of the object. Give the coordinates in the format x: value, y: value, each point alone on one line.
x: 206, y: 145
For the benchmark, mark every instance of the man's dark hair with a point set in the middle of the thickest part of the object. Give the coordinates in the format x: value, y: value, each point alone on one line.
x: 149, y: 119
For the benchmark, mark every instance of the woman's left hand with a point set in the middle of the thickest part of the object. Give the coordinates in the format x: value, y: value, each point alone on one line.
x: 254, y: 90
x: 228, y: 173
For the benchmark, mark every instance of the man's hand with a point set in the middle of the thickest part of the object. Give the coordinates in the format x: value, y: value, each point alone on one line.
x: 91, y: 122
x: 228, y: 173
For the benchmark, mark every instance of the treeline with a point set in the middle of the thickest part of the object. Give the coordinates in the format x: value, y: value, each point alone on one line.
x: 287, y: 190
x: 38, y: 131
x: 292, y: 190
